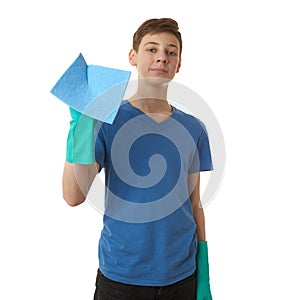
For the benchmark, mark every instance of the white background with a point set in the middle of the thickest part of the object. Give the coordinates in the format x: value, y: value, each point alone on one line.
x: 242, y: 57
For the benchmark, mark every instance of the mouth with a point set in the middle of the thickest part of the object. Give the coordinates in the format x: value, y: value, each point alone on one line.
x: 159, y: 70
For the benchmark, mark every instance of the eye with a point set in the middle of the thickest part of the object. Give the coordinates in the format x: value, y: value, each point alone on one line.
x: 172, y: 53
x: 150, y: 50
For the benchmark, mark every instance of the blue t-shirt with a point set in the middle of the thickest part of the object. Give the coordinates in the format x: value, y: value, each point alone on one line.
x: 148, y: 236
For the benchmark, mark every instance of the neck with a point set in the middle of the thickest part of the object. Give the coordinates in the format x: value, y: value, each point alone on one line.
x: 151, y: 96
x: 151, y: 105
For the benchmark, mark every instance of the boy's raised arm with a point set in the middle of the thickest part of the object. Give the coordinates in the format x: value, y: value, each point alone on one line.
x: 80, y: 167
x: 77, y: 180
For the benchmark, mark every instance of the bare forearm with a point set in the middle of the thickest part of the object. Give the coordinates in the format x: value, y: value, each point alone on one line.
x: 200, y: 222
x: 76, y: 182
x: 194, y: 189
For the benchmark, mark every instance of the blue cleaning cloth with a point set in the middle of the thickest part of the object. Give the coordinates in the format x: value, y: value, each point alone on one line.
x: 95, y: 91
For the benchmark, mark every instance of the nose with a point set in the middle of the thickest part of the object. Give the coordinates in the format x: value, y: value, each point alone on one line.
x: 161, y: 59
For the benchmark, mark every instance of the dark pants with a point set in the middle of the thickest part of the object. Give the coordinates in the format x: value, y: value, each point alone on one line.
x: 107, y: 289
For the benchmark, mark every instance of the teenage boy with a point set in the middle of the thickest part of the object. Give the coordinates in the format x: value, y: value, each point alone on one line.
x: 153, y: 244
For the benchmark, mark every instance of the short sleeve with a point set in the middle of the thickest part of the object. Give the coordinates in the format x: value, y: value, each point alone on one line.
x: 202, y: 160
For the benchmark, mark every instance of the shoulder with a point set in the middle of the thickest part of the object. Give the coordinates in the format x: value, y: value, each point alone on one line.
x: 125, y: 112
x: 188, y: 119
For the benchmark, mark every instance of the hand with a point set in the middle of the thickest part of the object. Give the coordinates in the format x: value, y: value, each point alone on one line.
x: 203, y: 286
x: 203, y: 292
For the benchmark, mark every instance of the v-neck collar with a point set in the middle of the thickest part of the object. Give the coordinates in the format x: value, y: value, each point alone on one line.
x: 149, y: 115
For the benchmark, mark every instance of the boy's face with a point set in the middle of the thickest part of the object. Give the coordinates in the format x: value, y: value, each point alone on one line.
x: 158, y: 56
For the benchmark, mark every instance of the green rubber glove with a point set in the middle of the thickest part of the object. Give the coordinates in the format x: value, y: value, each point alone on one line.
x: 80, y: 141
x: 203, y: 287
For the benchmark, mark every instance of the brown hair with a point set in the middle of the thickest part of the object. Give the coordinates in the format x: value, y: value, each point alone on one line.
x: 153, y: 26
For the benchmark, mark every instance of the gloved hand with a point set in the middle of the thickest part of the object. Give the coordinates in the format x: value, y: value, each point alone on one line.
x: 203, y: 287
x: 80, y: 141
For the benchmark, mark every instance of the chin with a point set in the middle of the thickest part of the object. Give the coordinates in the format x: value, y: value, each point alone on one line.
x: 156, y: 81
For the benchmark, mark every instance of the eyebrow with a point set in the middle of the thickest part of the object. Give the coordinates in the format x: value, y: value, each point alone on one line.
x: 154, y: 43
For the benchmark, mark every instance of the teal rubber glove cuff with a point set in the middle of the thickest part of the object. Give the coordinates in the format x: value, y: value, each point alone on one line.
x: 203, y: 286
x: 80, y: 141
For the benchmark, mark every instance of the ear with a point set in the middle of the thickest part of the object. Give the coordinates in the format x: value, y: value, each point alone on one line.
x: 179, y: 65
x: 132, y: 57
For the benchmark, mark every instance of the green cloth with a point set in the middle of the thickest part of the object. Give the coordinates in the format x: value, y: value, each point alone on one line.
x: 203, y: 286
x: 80, y: 141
